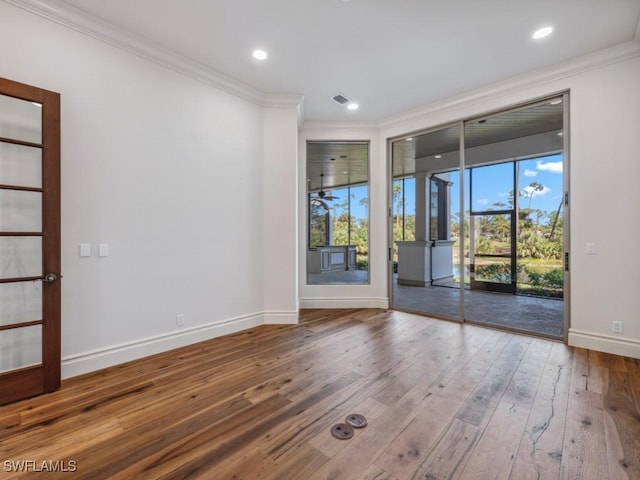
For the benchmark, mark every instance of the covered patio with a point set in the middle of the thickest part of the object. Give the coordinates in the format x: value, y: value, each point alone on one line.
x: 538, y: 315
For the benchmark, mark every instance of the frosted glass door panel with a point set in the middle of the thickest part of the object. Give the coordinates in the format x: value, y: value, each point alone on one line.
x: 20, y: 211
x: 20, y: 302
x: 20, y: 165
x: 20, y: 347
x: 20, y: 257
x: 20, y: 120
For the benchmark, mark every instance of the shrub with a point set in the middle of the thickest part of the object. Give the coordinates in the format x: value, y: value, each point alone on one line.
x: 553, y: 278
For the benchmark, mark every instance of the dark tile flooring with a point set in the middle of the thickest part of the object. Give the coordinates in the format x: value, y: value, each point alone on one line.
x: 543, y: 316
x: 530, y: 314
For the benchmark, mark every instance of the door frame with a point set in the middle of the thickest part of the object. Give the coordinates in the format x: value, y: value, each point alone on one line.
x: 493, y: 286
x: 46, y: 377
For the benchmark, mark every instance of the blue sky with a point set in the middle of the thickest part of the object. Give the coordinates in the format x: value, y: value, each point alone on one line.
x: 492, y: 185
x: 358, y: 194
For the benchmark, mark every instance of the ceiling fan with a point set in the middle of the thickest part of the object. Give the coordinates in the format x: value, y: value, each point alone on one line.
x: 322, y: 194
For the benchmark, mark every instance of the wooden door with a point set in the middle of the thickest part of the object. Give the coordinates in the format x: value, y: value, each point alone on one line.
x: 29, y: 241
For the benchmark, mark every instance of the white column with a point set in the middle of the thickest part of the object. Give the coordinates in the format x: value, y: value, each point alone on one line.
x: 279, y: 207
x: 421, y: 205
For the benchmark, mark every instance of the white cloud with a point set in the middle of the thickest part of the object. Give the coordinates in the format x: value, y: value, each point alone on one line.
x: 530, y: 173
x: 482, y: 201
x: 553, y: 167
x: 536, y: 193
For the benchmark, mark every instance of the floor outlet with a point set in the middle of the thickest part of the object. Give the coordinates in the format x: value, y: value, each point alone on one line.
x: 180, y: 319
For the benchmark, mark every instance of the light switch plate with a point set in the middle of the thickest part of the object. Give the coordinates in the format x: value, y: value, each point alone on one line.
x: 590, y: 248
x: 85, y: 250
x: 104, y: 250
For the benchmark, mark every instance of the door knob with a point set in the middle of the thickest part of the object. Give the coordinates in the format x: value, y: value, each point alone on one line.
x: 50, y: 278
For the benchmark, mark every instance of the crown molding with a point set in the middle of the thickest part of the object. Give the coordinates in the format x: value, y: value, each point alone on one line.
x: 339, y: 125
x: 284, y: 100
x: 554, y: 73
x: 80, y: 21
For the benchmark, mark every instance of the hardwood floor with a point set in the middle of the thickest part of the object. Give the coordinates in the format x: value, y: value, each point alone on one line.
x: 442, y: 401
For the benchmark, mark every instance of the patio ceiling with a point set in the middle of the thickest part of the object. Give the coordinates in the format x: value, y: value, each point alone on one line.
x: 341, y: 163
x: 527, y: 122
x: 346, y: 163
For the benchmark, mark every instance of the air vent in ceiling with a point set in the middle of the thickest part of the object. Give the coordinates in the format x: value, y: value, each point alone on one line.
x: 341, y: 99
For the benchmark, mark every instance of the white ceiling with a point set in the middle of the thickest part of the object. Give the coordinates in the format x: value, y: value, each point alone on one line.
x: 390, y: 56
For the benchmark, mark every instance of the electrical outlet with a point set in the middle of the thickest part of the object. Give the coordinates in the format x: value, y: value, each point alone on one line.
x: 180, y: 319
x: 616, y: 326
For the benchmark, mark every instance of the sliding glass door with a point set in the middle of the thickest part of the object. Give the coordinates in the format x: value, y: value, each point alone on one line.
x: 486, y: 242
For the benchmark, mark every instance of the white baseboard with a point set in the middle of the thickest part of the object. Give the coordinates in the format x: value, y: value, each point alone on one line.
x: 78, y: 364
x: 281, y: 318
x: 353, y: 302
x: 605, y: 343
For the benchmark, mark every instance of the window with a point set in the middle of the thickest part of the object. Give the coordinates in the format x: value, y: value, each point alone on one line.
x: 338, y: 212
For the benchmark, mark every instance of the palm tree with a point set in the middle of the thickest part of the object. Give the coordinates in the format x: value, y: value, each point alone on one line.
x: 531, y: 190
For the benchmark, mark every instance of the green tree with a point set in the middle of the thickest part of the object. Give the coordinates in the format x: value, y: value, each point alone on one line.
x: 531, y: 190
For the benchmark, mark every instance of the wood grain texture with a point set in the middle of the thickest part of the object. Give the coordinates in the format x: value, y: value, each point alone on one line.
x: 443, y: 401
x: 540, y: 450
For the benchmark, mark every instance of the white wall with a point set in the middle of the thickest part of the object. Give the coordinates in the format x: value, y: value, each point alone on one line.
x: 168, y: 172
x: 605, y: 169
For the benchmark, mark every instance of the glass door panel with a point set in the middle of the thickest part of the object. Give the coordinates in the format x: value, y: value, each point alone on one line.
x: 20, y: 211
x: 20, y: 348
x: 425, y: 223
x: 20, y: 302
x: 20, y: 120
x: 514, y: 163
x: 21, y: 165
x: 20, y: 257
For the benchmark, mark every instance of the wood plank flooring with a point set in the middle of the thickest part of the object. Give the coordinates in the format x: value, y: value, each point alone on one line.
x: 443, y: 401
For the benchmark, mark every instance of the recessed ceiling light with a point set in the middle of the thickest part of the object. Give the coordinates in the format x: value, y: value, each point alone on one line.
x: 542, y: 32
x: 260, y: 54
x: 438, y: 156
x: 353, y: 106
